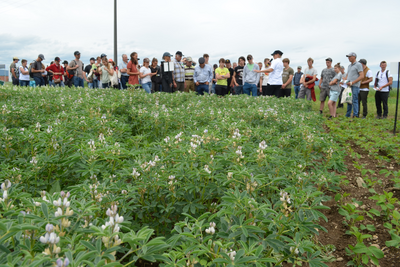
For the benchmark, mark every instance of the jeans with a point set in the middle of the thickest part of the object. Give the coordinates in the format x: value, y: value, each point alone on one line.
x: 201, y: 88
x: 15, y: 81
x: 23, y: 83
x: 105, y: 85
x: 213, y: 88
x: 51, y: 83
x: 363, y: 98
x: 96, y: 83
x: 355, y: 91
x: 124, y: 81
x: 297, y: 90
x: 39, y: 81
x: 238, y: 89
x: 248, y: 87
x: 147, y: 87
x: 78, y: 82
x: 381, y: 98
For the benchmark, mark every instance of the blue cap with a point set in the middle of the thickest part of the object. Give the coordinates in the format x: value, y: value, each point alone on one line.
x: 167, y: 54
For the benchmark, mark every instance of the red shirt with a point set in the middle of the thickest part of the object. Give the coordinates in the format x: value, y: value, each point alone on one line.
x: 54, y: 68
x: 133, y: 79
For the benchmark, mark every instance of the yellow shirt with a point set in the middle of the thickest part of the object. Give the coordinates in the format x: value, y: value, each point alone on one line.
x: 223, y: 71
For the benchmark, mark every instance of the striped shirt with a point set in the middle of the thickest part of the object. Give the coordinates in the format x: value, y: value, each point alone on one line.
x: 189, y: 72
x: 179, y: 71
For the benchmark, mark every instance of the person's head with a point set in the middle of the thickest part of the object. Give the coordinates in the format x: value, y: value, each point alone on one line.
x: 92, y: 60
x: 24, y: 62
x: 202, y: 62
x: 57, y: 61
x: 328, y: 62
x: 146, y: 62
x: 383, y: 65
x: 178, y: 56
x: 65, y: 63
x: 189, y: 61
x: 310, y: 62
x: 299, y: 69
x: 104, y: 60
x: 124, y: 58
x: 215, y: 66
x: 154, y: 62
x: 277, y: 54
x: 250, y: 59
x: 337, y: 67
x: 221, y: 63
x: 111, y: 62
x: 352, y: 57
x: 167, y: 57
x: 98, y: 59
x: 40, y: 58
x: 342, y: 69
x: 228, y: 63
x: 77, y: 54
x: 15, y: 59
x: 134, y: 58
x: 260, y: 65
x: 286, y: 62
x: 363, y: 63
x: 206, y: 58
x: 266, y: 62
x: 235, y: 64
x: 242, y: 61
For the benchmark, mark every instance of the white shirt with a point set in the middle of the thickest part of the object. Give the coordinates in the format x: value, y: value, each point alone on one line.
x: 23, y: 77
x: 383, y: 80
x: 369, y: 75
x: 265, y: 77
x: 144, y: 71
x: 275, y: 77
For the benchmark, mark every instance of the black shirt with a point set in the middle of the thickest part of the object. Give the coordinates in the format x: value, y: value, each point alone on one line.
x: 88, y: 68
x: 231, y: 71
x: 166, y: 75
x: 156, y: 78
x: 239, y: 75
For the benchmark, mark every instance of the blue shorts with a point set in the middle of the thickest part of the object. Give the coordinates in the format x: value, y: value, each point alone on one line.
x: 334, y: 95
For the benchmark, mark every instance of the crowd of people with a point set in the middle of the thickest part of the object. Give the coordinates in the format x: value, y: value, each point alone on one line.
x: 273, y: 77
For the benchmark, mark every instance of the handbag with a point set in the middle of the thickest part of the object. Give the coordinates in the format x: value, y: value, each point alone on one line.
x: 347, y: 96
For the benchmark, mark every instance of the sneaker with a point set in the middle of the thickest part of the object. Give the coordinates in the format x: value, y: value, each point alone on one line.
x: 384, y: 117
x: 320, y: 112
x: 378, y: 117
x: 364, y: 117
x: 330, y: 118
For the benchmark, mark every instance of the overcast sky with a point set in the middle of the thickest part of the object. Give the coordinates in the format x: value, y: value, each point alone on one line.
x: 228, y: 29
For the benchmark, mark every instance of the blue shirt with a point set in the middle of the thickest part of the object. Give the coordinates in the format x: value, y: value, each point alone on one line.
x: 123, y: 65
x: 202, y: 75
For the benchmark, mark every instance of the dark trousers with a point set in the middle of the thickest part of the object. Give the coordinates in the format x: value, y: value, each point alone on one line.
x: 284, y: 92
x: 167, y: 87
x: 155, y: 87
x: 381, y: 98
x: 363, y: 97
x: 340, y: 105
x: 15, y: 81
x: 201, y: 88
x: 124, y: 81
x: 39, y: 81
x: 221, y: 90
x: 273, y: 90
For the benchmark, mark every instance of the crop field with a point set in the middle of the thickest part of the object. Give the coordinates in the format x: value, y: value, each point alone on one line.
x: 124, y: 178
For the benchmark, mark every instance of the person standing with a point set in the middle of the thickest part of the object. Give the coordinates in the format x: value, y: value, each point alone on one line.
x: 353, y: 79
x: 237, y: 79
x: 334, y: 91
x: 106, y: 72
x: 67, y: 76
x: 98, y: 66
x: 123, y: 68
x: 145, y: 75
x: 207, y: 60
x: 156, y: 78
x: 132, y: 71
x: 251, y: 76
x: 343, y: 86
x: 234, y: 65
x: 179, y: 73
x: 24, y: 77
x: 222, y: 75
x: 202, y: 76
x: 14, y: 71
x: 37, y: 71
x: 167, y: 77
x: 364, y: 88
x: 327, y: 75
x: 287, y: 77
x: 58, y: 73
x: 189, y: 72
x: 275, y: 75
x: 308, y: 81
x: 229, y: 67
x: 296, y: 81
x: 75, y: 67
x: 383, y: 82
x: 214, y: 81
x: 264, y: 77
x: 89, y: 73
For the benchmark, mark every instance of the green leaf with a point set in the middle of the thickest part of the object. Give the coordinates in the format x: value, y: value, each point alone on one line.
x: 45, y: 210
x: 377, y: 252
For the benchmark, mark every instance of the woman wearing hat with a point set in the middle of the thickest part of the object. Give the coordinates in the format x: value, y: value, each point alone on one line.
x: 166, y: 74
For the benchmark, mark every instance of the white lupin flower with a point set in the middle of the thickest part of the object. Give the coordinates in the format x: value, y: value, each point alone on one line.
x: 119, y: 219
x: 66, y: 202
x: 5, y: 194
x: 57, y: 203
x: 206, y: 169
x: 135, y: 173
x: 166, y: 139
x: 171, y: 177
x: 212, y: 224
x: 263, y: 145
x: 101, y: 137
x: 45, y: 239
x: 33, y: 161
x: 49, y: 228
x: 49, y: 129
x: 58, y: 212
x: 232, y: 255
x: 104, y: 116
x: 54, y: 239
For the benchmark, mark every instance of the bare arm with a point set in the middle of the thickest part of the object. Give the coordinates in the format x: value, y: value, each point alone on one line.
x: 312, y: 80
x: 13, y: 73
x: 24, y: 72
x: 367, y: 81
x: 358, y: 79
x: 289, y: 81
x: 333, y: 82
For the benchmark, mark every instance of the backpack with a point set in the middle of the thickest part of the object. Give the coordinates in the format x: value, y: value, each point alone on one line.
x: 387, y: 77
x: 30, y: 69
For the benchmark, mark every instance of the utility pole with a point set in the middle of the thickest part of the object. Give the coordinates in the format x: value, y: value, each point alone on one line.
x: 115, y: 34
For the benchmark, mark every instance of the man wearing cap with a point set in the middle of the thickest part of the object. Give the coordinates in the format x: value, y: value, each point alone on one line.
x: 75, y: 67
x: 37, y: 71
x: 275, y: 74
x: 327, y: 75
x: 353, y: 79
x: 123, y: 68
x: 58, y: 73
x: 228, y: 65
x: 14, y: 71
x: 179, y: 73
x: 296, y: 81
x: 202, y: 77
x: 89, y: 73
x: 383, y: 82
x: 364, y: 88
x: 189, y: 72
